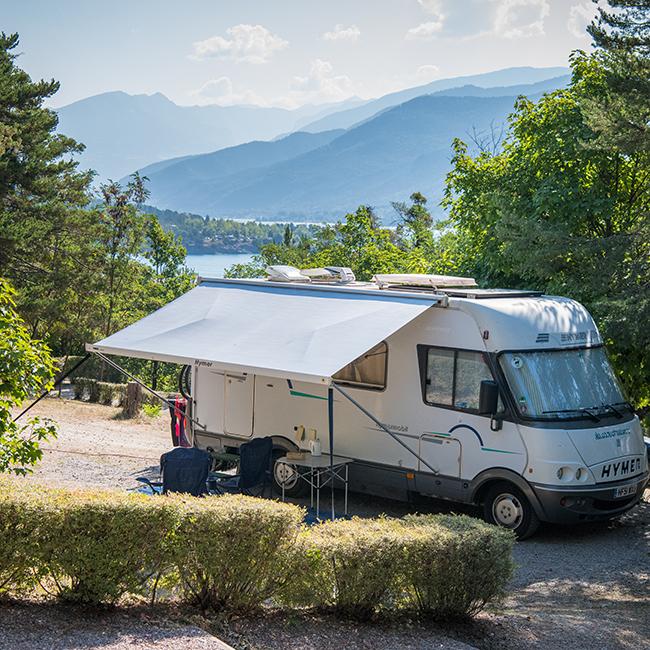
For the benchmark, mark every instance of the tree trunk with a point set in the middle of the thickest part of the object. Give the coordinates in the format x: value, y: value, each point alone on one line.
x: 133, y: 400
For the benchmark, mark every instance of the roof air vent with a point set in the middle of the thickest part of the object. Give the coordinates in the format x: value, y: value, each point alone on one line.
x: 281, y: 273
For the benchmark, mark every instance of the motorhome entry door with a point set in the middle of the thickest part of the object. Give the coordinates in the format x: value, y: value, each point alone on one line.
x: 238, y: 406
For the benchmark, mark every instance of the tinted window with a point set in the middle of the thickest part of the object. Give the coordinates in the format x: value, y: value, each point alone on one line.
x: 471, y: 370
x: 368, y: 371
x: 440, y: 376
x: 453, y: 378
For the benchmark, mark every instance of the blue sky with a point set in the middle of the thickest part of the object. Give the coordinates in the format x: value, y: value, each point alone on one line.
x: 284, y: 52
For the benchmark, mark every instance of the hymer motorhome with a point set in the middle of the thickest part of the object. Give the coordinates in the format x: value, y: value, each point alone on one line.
x: 500, y: 398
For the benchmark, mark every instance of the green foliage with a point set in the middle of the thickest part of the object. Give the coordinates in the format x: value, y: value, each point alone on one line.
x: 350, y: 565
x: 152, y: 410
x: 558, y: 210
x: 26, y: 369
x: 82, y: 267
x: 448, y: 566
x: 206, y: 235
x: 235, y: 550
x: 456, y: 565
x: 359, y: 242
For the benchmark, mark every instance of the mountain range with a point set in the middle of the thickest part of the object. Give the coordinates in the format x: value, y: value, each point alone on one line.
x: 324, y: 174
x: 315, y: 162
x: 124, y: 132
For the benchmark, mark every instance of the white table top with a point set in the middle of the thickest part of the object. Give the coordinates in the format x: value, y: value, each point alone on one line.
x: 321, y: 462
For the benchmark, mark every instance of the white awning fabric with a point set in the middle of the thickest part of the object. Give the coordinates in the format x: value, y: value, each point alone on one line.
x: 302, y: 333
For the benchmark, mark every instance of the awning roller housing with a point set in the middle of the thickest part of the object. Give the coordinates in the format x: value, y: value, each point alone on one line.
x: 299, y: 332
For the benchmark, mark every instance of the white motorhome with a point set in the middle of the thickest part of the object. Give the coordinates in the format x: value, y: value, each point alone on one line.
x: 500, y: 398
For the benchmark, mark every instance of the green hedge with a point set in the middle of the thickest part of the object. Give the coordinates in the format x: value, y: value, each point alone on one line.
x: 442, y: 565
x: 234, y: 553
x: 103, y: 392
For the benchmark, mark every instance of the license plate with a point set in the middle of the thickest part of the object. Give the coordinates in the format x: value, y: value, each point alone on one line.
x: 624, y: 491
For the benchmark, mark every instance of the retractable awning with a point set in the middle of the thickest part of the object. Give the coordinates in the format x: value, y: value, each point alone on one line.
x: 302, y: 332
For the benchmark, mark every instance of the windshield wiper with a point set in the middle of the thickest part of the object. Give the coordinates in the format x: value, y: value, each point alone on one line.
x: 615, y: 411
x: 584, y: 410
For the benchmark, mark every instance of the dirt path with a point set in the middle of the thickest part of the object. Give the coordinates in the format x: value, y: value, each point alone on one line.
x: 574, y: 588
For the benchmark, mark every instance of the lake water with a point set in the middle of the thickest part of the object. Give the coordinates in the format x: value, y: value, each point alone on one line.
x: 213, y: 266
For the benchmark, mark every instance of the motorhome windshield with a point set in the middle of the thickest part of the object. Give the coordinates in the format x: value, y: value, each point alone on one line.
x: 558, y: 384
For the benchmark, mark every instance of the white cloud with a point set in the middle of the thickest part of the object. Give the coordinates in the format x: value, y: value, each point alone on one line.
x: 341, y: 33
x: 471, y: 18
x: 427, y: 72
x: 243, y: 43
x: 425, y: 31
x: 431, y: 6
x: 580, y: 16
x: 521, y: 18
x: 320, y: 85
x: 220, y: 92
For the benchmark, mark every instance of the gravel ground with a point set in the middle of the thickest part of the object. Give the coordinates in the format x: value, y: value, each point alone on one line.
x: 578, y: 587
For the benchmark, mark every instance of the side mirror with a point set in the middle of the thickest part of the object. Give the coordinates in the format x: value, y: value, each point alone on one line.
x: 488, y: 399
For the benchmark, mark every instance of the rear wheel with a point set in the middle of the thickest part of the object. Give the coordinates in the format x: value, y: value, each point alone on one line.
x: 286, y: 474
x: 506, y: 505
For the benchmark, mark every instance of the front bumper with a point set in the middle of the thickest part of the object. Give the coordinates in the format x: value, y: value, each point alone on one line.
x: 565, y: 505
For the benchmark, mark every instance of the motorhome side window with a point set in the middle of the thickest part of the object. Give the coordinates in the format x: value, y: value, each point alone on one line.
x: 453, y: 378
x: 368, y: 371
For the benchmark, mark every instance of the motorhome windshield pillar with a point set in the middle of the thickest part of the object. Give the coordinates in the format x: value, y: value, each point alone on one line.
x: 382, y: 426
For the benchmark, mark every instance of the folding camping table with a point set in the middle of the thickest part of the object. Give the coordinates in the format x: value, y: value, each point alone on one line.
x: 321, y: 471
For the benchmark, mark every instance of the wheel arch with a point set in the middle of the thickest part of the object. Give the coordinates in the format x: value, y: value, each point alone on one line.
x: 486, y: 479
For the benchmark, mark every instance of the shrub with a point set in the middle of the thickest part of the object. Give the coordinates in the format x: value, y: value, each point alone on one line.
x: 152, y: 410
x: 19, y: 535
x: 234, y: 551
x: 99, y: 391
x: 99, y: 546
x: 350, y: 565
x: 111, y: 394
x: 86, y: 388
x: 455, y: 565
x: 88, y: 546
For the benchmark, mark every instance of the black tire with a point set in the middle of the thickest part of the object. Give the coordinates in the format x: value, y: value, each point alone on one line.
x: 294, y: 486
x: 506, y: 505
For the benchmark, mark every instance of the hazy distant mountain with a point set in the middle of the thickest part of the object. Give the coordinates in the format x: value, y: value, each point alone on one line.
x: 123, y: 133
x: 196, y: 180
x: 498, y: 80
x: 383, y: 159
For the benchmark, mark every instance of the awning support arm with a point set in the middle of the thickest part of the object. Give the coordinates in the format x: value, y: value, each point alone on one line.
x: 119, y: 368
x: 58, y: 380
x: 383, y: 427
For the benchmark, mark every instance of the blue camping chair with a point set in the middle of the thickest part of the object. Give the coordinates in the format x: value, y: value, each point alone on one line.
x: 255, y: 470
x: 184, y: 470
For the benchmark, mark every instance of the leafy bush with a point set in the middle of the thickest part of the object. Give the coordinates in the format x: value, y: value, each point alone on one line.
x: 234, y: 551
x: 455, y: 565
x: 350, y: 565
x: 152, y: 410
x: 19, y: 528
x: 88, y: 546
x: 99, y: 391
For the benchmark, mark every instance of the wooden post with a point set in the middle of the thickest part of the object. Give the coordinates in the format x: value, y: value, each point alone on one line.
x: 133, y: 400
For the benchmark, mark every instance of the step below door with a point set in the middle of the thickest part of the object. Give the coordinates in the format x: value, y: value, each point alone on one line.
x: 238, y: 407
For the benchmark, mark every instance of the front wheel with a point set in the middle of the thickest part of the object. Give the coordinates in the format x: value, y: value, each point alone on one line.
x: 506, y: 505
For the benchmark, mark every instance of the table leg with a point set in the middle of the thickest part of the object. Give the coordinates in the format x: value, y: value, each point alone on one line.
x: 317, y: 494
x: 346, y: 490
x: 311, y: 488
